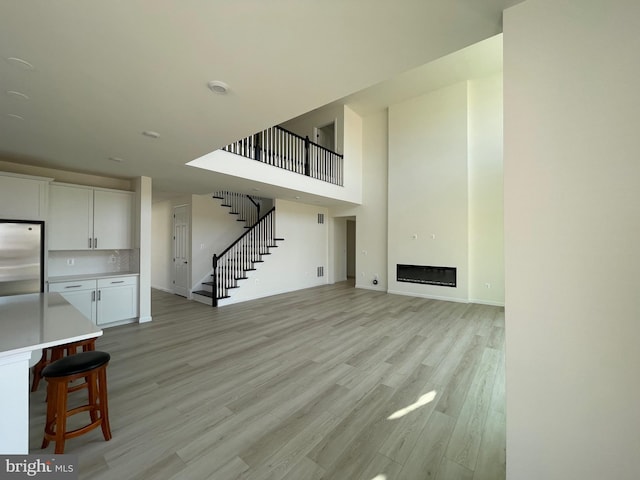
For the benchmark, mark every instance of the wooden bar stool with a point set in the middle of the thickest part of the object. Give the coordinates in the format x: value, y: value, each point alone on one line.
x: 51, y: 354
x: 89, y: 365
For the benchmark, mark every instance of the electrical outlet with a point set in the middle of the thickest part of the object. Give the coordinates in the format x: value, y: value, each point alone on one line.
x: 71, y: 261
x: 487, y: 285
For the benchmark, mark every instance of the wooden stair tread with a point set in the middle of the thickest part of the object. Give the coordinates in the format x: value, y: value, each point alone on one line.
x: 204, y: 293
x: 208, y: 283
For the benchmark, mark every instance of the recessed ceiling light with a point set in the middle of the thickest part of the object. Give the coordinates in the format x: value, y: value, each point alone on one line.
x: 16, y: 94
x: 297, y: 197
x: 255, y: 189
x: 116, y: 159
x: 216, y: 86
x: 14, y: 116
x: 151, y: 134
x: 20, y: 62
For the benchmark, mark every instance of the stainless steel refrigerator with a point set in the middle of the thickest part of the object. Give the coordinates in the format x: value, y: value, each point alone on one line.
x: 21, y: 257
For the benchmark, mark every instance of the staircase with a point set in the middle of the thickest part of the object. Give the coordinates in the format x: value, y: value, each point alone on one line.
x: 241, y: 257
x: 246, y: 207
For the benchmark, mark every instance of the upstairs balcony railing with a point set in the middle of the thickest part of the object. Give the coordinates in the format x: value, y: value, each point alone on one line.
x: 281, y: 148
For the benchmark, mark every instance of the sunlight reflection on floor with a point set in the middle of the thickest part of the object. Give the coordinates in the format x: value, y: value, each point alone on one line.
x: 422, y: 401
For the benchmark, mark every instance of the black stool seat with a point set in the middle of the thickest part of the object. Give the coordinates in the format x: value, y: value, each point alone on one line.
x: 74, y: 364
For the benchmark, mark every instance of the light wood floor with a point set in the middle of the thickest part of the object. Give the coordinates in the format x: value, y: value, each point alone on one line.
x: 300, y: 387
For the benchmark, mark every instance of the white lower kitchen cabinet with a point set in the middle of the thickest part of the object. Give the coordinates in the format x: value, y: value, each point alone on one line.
x: 117, y: 299
x: 102, y: 300
x: 81, y: 294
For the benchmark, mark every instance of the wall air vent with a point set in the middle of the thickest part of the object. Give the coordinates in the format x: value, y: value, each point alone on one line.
x: 443, y: 276
x: 321, y: 218
x: 321, y: 271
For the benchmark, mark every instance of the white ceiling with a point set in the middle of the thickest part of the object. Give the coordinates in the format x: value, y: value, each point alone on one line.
x: 105, y: 71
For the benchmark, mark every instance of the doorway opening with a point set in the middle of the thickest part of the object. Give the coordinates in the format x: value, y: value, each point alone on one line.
x: 325, y: 136
x: 351, y: 250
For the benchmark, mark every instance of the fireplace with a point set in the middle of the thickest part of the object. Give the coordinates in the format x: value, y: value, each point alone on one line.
x: 428, y: 275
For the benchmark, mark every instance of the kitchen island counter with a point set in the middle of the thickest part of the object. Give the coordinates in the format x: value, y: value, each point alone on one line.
x: 29, y: 323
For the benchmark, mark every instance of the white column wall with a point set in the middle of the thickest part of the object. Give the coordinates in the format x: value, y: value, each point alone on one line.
x: 486, y: 192
x: 143, y: 194
x: 428, y: 189
x: 572, y: 230
x: 161, y: 245
x: 371, y: 216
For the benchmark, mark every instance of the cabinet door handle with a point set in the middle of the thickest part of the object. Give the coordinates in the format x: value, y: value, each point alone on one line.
x: 95, y: 242
x: 98, y: 295
x: 73, y: 286
x: 93, y: 296
x: 119, y: 281
x: 89, y: 242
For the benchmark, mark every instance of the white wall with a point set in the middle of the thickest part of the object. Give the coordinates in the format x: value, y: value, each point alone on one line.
x: 161, y: 245
x: 213, y: 229
x: 353, y: 145
x: 144, y: 240
x: 486, y: 211
x: 428, y: 189
x: 371, y: 216
x: 303, y: 125
x: 572, y: 230
x: 291, y: 266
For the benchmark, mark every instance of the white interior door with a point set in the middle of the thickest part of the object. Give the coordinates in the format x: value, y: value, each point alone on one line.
x: 181, y: 227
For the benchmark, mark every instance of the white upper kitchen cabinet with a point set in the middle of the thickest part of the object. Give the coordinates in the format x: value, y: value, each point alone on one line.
x: 23, y: 197
x: 83, y: 218
x: 112, y: 220
x: 70, y: 218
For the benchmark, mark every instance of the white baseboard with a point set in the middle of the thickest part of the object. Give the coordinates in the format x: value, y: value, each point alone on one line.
x: 370, y: 287
x: 145, y: 319
x: 162, y: 289
x: 487, y: 302
x: 431, y: 297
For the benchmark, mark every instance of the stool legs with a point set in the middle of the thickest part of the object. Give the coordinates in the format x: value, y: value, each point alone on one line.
x: 104, y: 404
x: 57, y: 413
x: 51, y: 354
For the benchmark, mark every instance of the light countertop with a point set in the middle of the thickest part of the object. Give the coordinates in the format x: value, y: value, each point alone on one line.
x: 91, y: 276
x: 38, y: 320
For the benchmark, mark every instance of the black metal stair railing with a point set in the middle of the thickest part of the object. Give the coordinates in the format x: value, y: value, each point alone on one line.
x: 241, y: 257
x: 246, y: 207
x: 281, y: 148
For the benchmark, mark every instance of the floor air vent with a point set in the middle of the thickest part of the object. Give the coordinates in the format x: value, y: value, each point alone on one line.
x: 321, y: 271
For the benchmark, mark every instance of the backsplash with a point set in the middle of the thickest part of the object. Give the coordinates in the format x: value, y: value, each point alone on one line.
x: 77, y: 262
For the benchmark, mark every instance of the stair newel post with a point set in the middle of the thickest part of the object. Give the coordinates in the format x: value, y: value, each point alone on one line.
x: 307, y: 165
x: 272, y: 235
x: 214, y: 287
